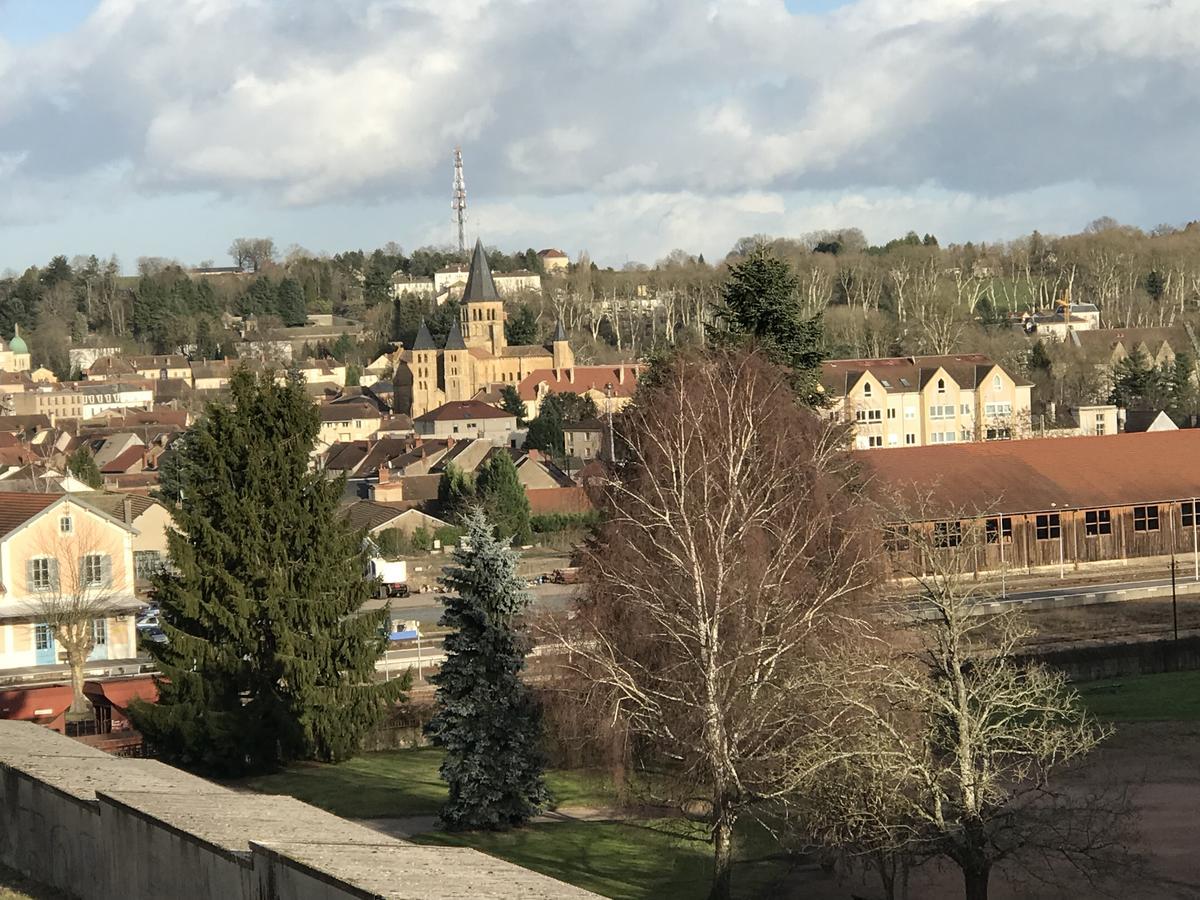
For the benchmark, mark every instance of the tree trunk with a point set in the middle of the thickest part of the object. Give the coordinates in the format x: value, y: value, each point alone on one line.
x: 722, y: 853
x: 975, y: 880
x: 80, y: 708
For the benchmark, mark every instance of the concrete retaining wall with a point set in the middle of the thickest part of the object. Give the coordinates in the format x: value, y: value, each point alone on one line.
x: 98, y: 826
x: 1096, y: 662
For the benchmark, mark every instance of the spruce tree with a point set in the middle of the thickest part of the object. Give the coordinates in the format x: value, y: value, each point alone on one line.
x: 487, y: 720
x: 269, y: 657
x: 83, y: 466
x: 759, y: 300
x: 499, y: 489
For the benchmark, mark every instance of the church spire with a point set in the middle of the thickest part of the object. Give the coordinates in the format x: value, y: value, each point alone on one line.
x: 480, y: 285
x: 424, y: 339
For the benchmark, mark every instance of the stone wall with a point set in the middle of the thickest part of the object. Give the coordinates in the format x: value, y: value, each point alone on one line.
x: 97, y: 826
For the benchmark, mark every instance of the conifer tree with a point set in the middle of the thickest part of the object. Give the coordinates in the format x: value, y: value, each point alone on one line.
x: 456, y: 493
x: 269, y: 658
x: 499, y: 489
x: 487, y: 720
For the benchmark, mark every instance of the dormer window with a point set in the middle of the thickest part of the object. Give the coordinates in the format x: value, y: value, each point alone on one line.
x: 941, y: 386
x: 866, y: 390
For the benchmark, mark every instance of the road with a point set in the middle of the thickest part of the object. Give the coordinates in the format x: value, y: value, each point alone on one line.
x: 1086, y: 594
x: 427, y: 608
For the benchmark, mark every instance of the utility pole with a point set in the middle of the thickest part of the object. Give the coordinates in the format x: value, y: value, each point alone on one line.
x: 459, y: 202
x: 612, y: 446
x: 1174, y: 599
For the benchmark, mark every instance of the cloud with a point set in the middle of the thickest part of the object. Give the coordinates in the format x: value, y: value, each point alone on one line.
x: 696, y: 119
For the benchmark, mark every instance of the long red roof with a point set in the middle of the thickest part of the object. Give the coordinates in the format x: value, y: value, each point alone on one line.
x: 1039, y: 475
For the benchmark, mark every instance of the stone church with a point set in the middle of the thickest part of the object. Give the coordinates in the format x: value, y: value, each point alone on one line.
x: 477, y: 354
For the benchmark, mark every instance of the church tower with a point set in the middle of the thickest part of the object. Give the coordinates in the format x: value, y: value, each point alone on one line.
x: 560, y: 349
x: 425, y: 393
x: 456, y: 362
x: 482, y: 308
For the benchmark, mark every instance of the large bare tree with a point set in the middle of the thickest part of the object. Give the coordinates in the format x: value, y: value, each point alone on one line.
x: 729, y: 566
x: 960, y: 743
x: 73, y: 580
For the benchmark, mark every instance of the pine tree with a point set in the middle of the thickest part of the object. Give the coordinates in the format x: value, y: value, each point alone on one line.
x: 83, y: 466
x: 760, y: 301
x: 498, y: 487
x: 456, y: 493
x: 511, y: 402
x: 269, y: 658
x: 487, y: 720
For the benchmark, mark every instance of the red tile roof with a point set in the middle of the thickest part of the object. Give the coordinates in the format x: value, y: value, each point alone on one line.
x: 459, y: 410
x: 1038, y: 475
x: 578, y: 379
x: 18, y: 508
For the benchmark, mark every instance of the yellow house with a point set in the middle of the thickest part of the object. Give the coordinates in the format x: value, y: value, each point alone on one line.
x: 346, y: 422
x: 915, y: 401
x: 58, y: 549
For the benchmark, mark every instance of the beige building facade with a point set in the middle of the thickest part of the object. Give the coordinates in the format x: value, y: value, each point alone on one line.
x: 918, y: 401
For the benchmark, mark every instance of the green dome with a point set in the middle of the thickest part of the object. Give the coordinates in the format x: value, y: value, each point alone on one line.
x: 18, y: 345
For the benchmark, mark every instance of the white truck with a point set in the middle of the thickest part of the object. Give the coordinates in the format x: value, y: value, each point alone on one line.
x: 392, y: 575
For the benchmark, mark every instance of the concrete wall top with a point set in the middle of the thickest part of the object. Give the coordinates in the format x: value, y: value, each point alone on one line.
x: 19, y: 740
x: 418, y: 872
x: 82, y: 776
x: 230, y: 820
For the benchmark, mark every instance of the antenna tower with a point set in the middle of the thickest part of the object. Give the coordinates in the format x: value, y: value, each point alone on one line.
x: 459, y: 201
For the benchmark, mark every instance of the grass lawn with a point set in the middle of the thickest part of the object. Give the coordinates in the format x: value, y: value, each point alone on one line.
x: 14, y: 886
x: 1173, y: 696
x: 398, y: 783
x: 631, y: 861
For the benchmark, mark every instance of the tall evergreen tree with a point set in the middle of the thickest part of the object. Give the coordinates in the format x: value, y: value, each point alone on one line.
x: 289, y: 302
x: 83, y: 466
x: 487, y: 720
x: 456, y: 493
x: 498, y: 487
x: 510, y: 401
x: 270, y: 658
x: 760, y: 301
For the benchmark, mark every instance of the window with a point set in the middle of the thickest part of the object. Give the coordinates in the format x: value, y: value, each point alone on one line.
x: 42, y: 573
x: 893, y: 440
x: 997, y: 383
x: 146, y: 563
x: 910, y: 439
x: 100, y: 632
x: 1145, y: 518
x: 997, y: 409
x: 1047, y: 527
x: 891, y: 413
x: 1099, y: 423
x: 868, y: 415
x: 947, y: 534
x: 42, y: 637
x: 999, y: 434
x: 966, y: 436
x: 1187, y: 513
x: 942, y: 411
x: 941, y: 386
x: 999, y: 528
x: 910, y: 413
x: 1097, y: 522
x: 94, y: 570
x: 942, y: 437
x: 65, y: 525
x: 895, y: 538
x: 965, y: 409
x: 866, y: 390
x: 875, y: 440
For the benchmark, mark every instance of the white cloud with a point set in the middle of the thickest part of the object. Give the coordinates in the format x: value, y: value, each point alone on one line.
x: 694, y: 122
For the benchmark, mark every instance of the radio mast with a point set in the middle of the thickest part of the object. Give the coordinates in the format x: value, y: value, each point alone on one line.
x: 459, y: 202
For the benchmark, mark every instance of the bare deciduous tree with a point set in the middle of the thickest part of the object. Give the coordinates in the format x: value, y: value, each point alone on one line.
x: 74, y: 572
x: 730, y: 562
x: 959, y: 741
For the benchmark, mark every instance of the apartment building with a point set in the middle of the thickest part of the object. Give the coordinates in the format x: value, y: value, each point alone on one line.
x: 81, y: 400
x: 916, y: 401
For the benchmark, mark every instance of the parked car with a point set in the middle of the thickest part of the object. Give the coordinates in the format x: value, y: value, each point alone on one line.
x: 392, y: 575
x: 154, y: 635
x: 149, y: 622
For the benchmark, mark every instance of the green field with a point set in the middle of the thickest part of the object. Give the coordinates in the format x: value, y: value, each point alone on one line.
x: 634, y: 859
x: 399, y: 783
x: 1171, y: 697
x: 646, y: 860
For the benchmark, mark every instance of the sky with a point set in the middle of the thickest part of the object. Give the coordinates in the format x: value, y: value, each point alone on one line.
x: 625, y: 129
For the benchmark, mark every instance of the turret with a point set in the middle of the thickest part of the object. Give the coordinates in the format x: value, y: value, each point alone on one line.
x: 560, y: 349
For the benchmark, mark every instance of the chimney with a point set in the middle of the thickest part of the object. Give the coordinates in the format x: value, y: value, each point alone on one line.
x: 571, y: 376
x: 449, y: 443
x: 384, y: 475
x: 620, y: 374
x: 535, y: 455
x: 127, y: 508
